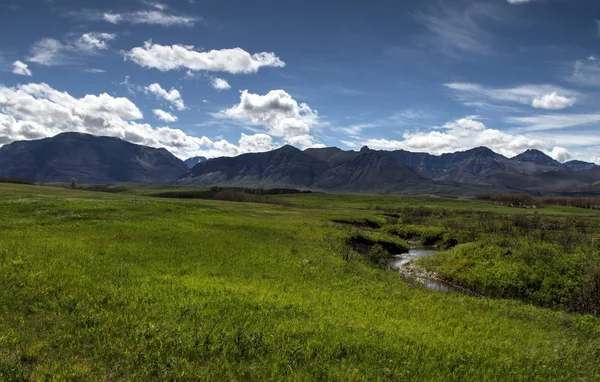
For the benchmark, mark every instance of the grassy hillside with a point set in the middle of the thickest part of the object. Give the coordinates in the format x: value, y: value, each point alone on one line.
x: 103, y: 286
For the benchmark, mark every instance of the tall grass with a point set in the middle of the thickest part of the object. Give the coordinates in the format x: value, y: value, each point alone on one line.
x: 100, y: 286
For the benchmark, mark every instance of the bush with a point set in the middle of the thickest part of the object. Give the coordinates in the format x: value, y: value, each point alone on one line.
x: 540, y: 273
x: 429, y: 236
x: 365, y: 222
x: 389, y: 243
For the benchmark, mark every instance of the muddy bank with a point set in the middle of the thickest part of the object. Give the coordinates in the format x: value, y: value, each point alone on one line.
x: 410, y: 270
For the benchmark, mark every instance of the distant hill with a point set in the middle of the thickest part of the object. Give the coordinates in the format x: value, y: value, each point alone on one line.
x: 577, y: 165
x: 473, y: 166
x: 327, y: 169
x: 191, y: 162
x: 89, y: 159
x: 396, y: 171
x: 286, y: 166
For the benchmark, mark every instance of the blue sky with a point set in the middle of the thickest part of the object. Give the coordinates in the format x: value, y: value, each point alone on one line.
x: 225, y: 77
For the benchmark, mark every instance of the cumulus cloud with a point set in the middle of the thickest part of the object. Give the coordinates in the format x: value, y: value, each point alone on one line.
x: 552, y: 101
x: 560, y: 154
x: 220, y: 84
x: 164, y: 116
x: 255, y: 143
x: 35, y: 111
x: 174, y: 57
x: 94, y: 42
x: 173, y: 95
x: 52, y: 52
x: 278, y: 112
x: 535, y: 95
x: 21, y: 69
x: 460, y: 135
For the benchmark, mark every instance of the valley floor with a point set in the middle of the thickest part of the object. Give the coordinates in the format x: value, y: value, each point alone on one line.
x: 100, y: 286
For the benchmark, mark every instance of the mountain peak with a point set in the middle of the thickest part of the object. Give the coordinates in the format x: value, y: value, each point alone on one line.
x: 481, y: 150
x: 287, y: 148
x: 191, y: 162
x: 89, y: 159
x: 365, y: 149
x: 578, y: 165
x: 537, y: 157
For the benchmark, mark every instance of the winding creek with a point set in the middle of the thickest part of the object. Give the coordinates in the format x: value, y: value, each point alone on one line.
x: 403, y: 262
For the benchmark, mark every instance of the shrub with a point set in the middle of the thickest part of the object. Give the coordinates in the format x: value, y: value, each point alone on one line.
x: 539, y: 273
x: 424, y: 235
x: 366, y: 222
x: 389, y: 243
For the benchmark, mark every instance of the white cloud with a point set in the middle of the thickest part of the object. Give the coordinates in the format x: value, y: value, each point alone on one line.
x: 156, y: 5
x: 220, y: 84
x: 355, y: 130
x: 173, y: 95
x: 52, y: 52
x: 93, y: 42
x: 460, y: 135
x: 151, y: 17
x: 519, y: 1
x: 278, y: 112
x: 255, y: 143
x: 164, y: 116
x: 304, y: 141
x: 21, y: 68
x: 154, y: 14
x: 457, y: 29
x: 94, y: 70
x: 554, y: 121
x: 586, y: 72
x: 560, y: 154
x: 236, y: 60
x: 35, y: 111
x: 552, y: 101
x: 48, y: 51
x: 540, y: 95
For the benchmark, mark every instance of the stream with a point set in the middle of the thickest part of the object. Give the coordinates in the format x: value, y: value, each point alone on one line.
x: 399, y: 262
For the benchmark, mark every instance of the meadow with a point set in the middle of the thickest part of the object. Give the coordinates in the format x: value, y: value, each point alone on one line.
x: 128, y: 286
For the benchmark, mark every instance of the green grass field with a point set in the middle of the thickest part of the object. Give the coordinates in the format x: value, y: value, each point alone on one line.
x: 121, y: 286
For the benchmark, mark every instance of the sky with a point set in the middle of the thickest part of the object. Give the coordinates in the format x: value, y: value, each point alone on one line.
x: 225, y: 77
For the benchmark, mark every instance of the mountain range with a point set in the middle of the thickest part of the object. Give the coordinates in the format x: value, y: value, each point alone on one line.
x: 191, y: 162
x: 89, y: 159
x: 93, y: 159
x: 397, y: 171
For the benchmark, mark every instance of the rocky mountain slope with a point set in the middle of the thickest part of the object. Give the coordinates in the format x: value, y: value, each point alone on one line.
x: 191, y: 162
x: 391, y: 171
x: 327, y: 169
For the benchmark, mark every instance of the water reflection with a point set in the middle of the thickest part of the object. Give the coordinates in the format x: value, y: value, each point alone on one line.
x: 413, y: 254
